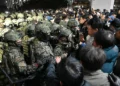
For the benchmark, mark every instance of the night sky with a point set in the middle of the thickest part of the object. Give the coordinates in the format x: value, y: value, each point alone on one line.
x: 2, y: 2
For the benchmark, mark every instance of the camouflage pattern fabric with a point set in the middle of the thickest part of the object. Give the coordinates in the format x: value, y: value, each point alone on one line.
x: 25, y: 45
x: 65, y: 32
x: 3, y: 80
x: 11, y: 36
x: 13, y: 61
x: 72, y: 23
x: 64, y: 23
x: 43, y: 52
x: 43, y: 28
x: 47, y: 23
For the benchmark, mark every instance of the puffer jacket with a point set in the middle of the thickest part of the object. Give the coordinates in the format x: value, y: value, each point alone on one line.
x: 112, y: 54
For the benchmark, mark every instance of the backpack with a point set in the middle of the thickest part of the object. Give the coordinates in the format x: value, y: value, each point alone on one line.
x: 43, y: 53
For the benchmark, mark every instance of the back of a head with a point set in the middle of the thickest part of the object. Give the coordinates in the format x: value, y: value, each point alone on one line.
x: 64, y: 16
x: 115, y: 23
x: 104, y: 38
x: 92, y: 58
x: 95, y: 23
x: 84, y: 16
x: 70, y: 72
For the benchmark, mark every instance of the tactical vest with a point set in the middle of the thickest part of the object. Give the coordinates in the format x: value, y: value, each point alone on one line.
x: 25, y: 45
x: 3, y: 79
x: 13, y: 60
x: 43, y: 53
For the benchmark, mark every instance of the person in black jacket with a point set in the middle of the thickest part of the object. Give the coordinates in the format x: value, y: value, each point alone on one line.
x: 70, y: 72
x: 118, y: 15
x: 83, y: 25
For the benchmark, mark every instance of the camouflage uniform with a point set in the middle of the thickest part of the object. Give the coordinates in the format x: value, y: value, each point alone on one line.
x: 63, y: 47
x: 64, y: 23
x: 47, y: 23
x: 13, y: 60
x: 54, y: 35
x: 3, y: 80
x: 41, y: 52
x: 30, y: 33
x: 72, y: 23
x: 73, y: 26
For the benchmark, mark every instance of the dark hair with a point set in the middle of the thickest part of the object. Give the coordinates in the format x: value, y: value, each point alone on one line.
x: 105, y: 38
x: 92, y: 58
x: 116, y: 23
x: 70, y: 72
x: 84, y: 16
x: 57, y: 20
x: 113, y: 13
x: 71, y: 14
x: 64, y: 16
x: 95, y: 23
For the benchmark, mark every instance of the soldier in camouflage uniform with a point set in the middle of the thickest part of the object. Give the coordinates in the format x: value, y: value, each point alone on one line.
x: 72, y: 23
x: 41, y: 52
x: 73, y: 26
x: 30, y: 34
x: 13, y: 60
x: 55, y: 28
x: 64, y: 46
x: 3, y: 79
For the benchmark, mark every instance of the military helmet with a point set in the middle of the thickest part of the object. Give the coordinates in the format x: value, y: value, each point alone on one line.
x: 3, y: 31
x: 29, y: 19
x: 47, y: 23
x: 14, y: 21
x: 39, y: 18
x: 2, y: 16
x: 34, y: 17
x: 29, y: 15
x: 20, y: 15
x: 22, y: 24
x: 65, y: 32
x: 42, y: 28
x: 42, y: 32
x: 30, y: 30
x: 13, y: 16
x: 72, y: 23
x: 55, y: 27
x: 8, y: 21
x: 20, y: 20
x: 11, y: 36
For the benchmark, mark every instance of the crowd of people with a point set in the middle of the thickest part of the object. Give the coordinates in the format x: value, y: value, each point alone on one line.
x: 63, y: 47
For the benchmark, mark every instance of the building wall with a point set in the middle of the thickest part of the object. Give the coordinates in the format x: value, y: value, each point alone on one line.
x: 102, y: 4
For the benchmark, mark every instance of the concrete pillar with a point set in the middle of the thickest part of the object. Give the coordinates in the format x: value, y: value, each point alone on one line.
x: 102, y: 4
